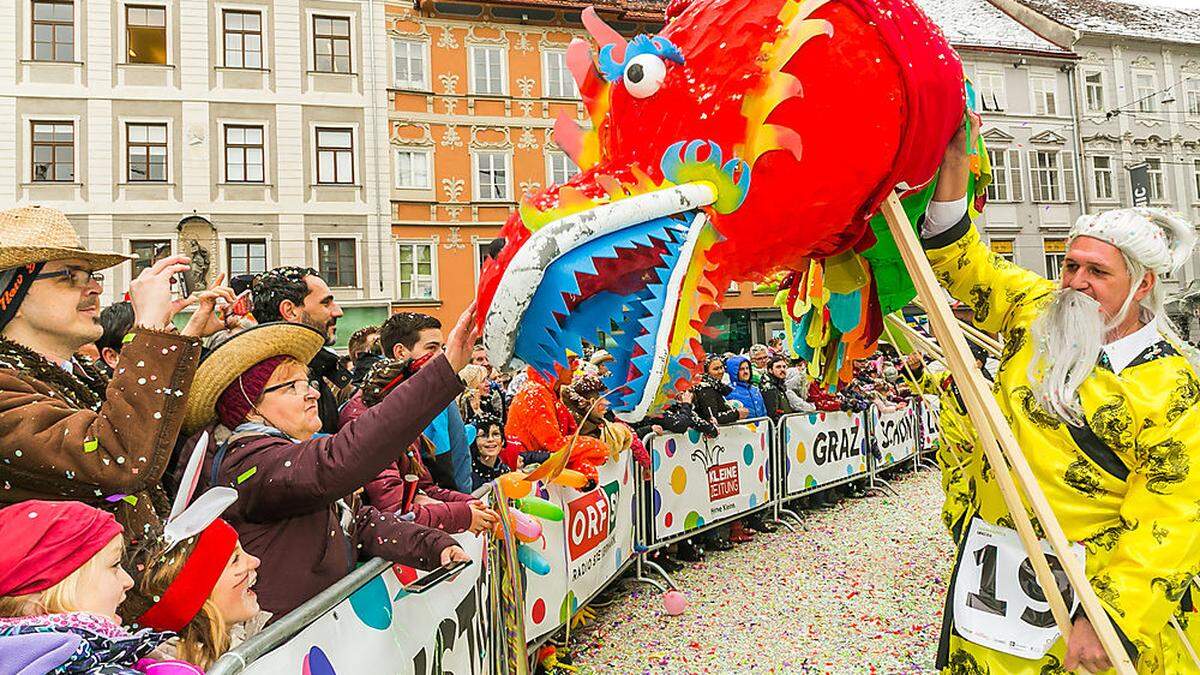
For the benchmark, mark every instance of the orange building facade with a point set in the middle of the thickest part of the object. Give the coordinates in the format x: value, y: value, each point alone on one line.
x: 474, y: 91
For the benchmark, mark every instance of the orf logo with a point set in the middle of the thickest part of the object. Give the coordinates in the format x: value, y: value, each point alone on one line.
x: 589, y: 520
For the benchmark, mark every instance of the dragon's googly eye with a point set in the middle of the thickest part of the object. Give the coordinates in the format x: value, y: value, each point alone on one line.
x: 644, y: 75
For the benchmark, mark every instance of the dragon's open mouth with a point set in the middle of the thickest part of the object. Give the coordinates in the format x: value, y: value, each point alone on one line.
x: 622, y: 271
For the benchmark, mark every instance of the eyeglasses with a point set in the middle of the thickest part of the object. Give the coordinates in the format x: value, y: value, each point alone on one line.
x: 298, y: 387
x: 78, y: 277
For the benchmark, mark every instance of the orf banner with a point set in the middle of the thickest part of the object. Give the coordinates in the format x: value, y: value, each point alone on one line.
x: 585, y: 549
x: 441, y: 630
x: 699, y: 480
x: 896, y: 436
x: 822, y: 448
x: 931, y: 430
x: 1139, y: 184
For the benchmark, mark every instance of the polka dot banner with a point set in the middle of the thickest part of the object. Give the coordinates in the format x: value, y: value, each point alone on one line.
x: 701, y: 480
x: 825, y: 447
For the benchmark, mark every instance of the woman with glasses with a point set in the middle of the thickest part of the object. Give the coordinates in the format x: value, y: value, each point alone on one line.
x: 254, y: 407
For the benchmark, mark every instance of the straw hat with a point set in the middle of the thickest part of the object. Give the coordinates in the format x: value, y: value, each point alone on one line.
x: 35, y: 234
x: 238, y: 354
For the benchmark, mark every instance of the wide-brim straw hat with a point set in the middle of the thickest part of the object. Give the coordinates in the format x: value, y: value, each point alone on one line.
x: 38, y: 234
x: 238, y: 354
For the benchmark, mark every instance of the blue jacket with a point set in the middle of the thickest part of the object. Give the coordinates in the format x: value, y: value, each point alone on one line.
x: 448, y: 434
x: 744, y: 392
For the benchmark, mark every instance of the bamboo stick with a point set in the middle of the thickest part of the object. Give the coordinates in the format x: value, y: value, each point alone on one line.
x: 1001, y: 449
x: 974, y: 334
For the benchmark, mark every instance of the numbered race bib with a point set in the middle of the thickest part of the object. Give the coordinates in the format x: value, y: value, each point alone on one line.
x: 998, y: 602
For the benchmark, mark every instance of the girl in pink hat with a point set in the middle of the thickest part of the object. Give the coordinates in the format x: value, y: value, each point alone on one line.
x: 61, y: 582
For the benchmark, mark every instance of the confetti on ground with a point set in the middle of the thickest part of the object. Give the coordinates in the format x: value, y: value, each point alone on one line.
x: 857, y: 588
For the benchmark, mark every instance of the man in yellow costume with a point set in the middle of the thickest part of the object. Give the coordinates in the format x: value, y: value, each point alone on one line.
x: 957, y: 455
x: 1101, y: 394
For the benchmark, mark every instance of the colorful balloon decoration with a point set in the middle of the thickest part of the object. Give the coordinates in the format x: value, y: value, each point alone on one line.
x: 532, y: 560
x: 748, y: 138
x: 536, y: 506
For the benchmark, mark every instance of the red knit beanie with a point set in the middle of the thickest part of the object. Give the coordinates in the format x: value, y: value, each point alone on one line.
x: 235, y: 402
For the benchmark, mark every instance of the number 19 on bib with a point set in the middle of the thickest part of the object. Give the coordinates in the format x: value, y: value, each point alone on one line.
x: 998, y: 602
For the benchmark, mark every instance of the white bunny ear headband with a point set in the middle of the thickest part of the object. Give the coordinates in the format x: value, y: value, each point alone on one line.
x: 1159, y: 239
x: 187, y: 520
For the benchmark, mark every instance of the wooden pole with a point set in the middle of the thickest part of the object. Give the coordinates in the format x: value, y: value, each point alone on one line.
x: 1001, y: 449
x: 918, y: 340
x: 975, y: 335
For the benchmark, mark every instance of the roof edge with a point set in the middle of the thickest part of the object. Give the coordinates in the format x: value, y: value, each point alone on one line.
x: 1045, y: 27
x: 1060, y: 55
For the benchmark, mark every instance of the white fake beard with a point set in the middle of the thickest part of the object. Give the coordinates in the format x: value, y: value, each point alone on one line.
x: 1067, y: 339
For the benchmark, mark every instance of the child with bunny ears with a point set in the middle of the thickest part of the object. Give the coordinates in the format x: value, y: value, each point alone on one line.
x: 61, y: 581
x: 196, y: 580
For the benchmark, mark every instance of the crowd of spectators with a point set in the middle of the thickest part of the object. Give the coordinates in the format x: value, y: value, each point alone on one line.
x: 171, y: 486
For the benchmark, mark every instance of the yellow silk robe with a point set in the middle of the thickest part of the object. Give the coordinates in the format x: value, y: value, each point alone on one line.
x: 957, y: 455
x: 1128, y: 489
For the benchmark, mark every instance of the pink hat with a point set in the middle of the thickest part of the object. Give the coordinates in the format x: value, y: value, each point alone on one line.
x: 235, y: 402
x: 44, y: 542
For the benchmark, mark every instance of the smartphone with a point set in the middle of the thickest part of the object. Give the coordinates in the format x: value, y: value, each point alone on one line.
x: 241, y: 304
x: 422, y: 584
x: 185, y: 284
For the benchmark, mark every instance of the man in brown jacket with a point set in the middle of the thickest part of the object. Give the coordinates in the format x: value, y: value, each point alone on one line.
x: 66, y: 430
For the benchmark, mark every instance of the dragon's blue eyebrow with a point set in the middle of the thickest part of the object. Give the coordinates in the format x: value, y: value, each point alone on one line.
x: 613, y: 70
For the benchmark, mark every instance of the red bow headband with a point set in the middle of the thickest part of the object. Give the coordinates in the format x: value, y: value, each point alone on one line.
x: 182, y: 600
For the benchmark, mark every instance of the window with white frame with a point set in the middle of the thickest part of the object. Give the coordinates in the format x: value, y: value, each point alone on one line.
x: 556, y: 75
x: 1055, y: 251
x: 337, y: 261
x: 1052, y: 174
x: 415, y: 273
x: 53, y: 25
x: 246, y: 256
x: 408, y: 63
x: 559, y: 168
x: 243, y: 38
x: 1191, y: 95
x: 1000, y: 189
x: 491, y: 176
x: 412, y: 168
x: 146, y: 153
x: 1006, y: 178
x: 1102, y: 178
x: 244, y: 154
x: 989, y: 84
x: 1158, y: 183
x: 331, y: 44
x: 146, y: 34
x: 1145, y: 91
x: 52, y: 151
x: 487, y: 70
x: 1093, y: 91
x: 1045, y: 94
x: 335, y: 155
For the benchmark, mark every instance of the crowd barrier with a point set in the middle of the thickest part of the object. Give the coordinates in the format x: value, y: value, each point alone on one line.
x: 367, y: 623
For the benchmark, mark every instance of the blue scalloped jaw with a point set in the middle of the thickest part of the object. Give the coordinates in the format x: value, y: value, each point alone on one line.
x: 613, y: 291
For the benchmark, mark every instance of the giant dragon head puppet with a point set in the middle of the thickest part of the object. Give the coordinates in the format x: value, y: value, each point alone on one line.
x: 748, y: 138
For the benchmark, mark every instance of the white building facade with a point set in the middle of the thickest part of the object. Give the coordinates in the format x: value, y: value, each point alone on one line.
x: 1022, y: 86
x: 1137, y: 92
x: 247, y: 133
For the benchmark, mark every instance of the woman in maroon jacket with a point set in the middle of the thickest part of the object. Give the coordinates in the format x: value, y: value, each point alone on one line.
x: 295, y: 488
x: 428, y: 503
